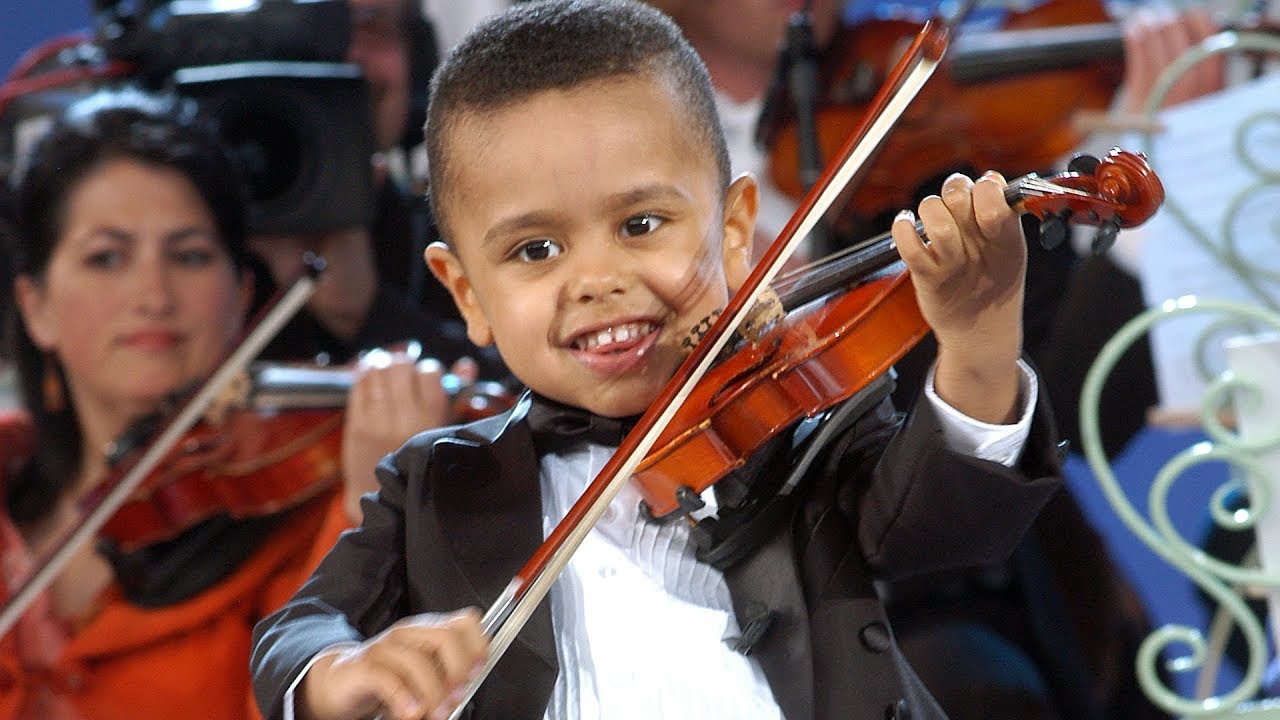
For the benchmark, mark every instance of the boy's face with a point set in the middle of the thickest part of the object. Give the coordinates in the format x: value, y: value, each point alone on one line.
x: 588, y: 239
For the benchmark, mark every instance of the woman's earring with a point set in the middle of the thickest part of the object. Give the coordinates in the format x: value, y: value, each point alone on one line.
x: 51, y: 386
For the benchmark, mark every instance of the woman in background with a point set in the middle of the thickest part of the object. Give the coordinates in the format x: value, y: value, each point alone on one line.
x: 131, y: 285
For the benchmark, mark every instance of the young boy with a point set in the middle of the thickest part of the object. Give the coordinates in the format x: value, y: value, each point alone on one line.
x: 582, y: 184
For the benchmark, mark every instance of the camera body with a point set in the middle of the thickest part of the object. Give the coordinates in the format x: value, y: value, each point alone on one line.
x: 269, y: 74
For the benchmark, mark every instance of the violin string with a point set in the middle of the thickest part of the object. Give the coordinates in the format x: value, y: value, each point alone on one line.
x: 799, y: 275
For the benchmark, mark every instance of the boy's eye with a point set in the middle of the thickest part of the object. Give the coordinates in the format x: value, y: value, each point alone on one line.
x: 640, y: 225
x: 538, y: 250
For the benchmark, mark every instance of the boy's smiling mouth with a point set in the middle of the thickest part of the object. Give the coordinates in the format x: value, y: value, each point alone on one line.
x: 615, y: 338
x: 616, y: 348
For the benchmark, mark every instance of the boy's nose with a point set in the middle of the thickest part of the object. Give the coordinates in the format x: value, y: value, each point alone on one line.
x: 597, y: 275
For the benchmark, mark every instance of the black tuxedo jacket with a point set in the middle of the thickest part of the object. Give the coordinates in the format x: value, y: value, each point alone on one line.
x: 459, y: 513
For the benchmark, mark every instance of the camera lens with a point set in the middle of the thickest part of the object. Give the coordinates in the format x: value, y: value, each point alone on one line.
x: 268, y: 144
x: 303, y: 134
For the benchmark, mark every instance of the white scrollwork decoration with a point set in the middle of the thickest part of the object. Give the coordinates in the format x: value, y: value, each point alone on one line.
x: 1160, y: 535
x: 1224, y: 446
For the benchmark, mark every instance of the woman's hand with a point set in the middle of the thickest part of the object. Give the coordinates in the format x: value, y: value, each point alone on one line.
x: 1155, y: 38
x: 393, y: 398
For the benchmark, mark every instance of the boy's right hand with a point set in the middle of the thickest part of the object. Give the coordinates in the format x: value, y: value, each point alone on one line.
x: 414, y: 669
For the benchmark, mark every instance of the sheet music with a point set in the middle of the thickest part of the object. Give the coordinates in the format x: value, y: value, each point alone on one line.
x: 1228, y: 195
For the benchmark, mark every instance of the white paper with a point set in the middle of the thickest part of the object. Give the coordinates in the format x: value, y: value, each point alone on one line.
x: 1226, y: 200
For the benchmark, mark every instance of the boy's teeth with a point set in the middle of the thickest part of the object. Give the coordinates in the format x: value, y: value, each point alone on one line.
x: 608, y: 336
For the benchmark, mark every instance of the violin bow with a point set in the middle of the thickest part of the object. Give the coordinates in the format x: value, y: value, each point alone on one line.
x: 190, y: 413
x: 513, y: 607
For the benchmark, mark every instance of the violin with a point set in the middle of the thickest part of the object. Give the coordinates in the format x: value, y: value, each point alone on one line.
x: 847, y: 320
x: 272, y: 443
x: 1005, y: 98
x: 843, y: 333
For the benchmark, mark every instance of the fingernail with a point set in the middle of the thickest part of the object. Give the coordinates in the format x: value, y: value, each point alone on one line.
x: 906, y: 215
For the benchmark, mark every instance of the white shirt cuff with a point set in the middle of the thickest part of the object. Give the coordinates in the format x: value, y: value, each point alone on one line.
x: 288, y: 694
x: 985, y: 441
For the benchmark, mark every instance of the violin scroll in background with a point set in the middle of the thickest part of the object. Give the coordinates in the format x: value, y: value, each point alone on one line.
x: 1001, y: 99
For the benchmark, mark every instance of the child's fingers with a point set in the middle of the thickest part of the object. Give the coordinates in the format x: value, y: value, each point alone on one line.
x: 456, y: 643
x: 466, y: 623
x: 991, y: 210
x: 957, y: 195
x: 356, y: 682
x: 398, y: 698
x: 408, y: 681
x: 945, y: 239
x: 911, y: 247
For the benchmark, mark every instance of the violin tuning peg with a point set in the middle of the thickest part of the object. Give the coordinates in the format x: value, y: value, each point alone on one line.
x: 1106, y: 236
x: 1083, y: 164
x: 1053, y: 230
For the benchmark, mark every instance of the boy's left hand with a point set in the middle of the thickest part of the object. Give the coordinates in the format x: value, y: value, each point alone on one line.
x: 969, y: 279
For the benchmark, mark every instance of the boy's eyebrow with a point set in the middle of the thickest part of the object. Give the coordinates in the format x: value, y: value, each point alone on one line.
x: 515, y: 224
x: 648, y: 193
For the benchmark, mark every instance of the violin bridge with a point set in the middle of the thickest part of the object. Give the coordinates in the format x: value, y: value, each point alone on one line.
x: 234, y: 395
x: 764, y: 314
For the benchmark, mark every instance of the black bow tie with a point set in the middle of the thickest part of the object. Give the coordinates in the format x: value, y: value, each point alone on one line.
x: 557, y: 427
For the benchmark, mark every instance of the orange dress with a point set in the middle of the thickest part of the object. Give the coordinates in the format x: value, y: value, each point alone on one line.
x: 190, y: 659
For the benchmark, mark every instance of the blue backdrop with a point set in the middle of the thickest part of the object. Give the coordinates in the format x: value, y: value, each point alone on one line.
x: 27, y: 23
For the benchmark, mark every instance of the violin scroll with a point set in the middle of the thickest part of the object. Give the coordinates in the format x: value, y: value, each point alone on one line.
x: 1118, y: 190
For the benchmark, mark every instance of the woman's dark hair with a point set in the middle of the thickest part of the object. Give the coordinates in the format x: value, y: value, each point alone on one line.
x: 160, y: 131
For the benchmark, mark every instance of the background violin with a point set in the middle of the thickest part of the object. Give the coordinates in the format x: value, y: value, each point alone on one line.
x: 1004, y: 98
x: 273, y: 443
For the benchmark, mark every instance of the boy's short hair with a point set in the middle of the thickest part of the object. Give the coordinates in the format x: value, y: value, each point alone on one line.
x: 561, y: 44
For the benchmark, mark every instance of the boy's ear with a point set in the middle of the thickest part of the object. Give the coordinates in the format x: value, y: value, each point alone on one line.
x: 447, y: 268
x: 741, y: 202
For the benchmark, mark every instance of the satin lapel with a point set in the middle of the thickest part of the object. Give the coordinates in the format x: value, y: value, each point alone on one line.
x: 767, y: 579
x: 489, y: 509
